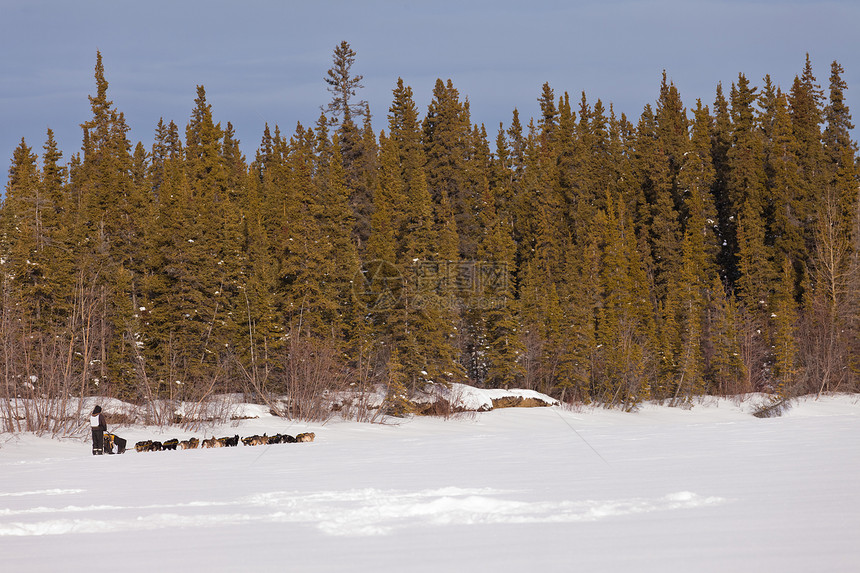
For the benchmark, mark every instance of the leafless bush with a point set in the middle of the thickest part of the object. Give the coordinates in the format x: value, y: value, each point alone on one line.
x: 43, y: 367
x: 314, y: 372
x: 364, y: 398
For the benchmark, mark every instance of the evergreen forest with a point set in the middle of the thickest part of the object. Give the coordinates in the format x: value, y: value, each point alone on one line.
x: 704, y: 249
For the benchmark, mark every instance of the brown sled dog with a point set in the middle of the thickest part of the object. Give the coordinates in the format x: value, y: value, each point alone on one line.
x: 255, y: 440
x: 190, y: 444
x: 306, y: 437
x: 212, y: 443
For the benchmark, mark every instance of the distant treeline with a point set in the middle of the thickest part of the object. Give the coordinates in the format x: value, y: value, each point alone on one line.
x: 709, y: 250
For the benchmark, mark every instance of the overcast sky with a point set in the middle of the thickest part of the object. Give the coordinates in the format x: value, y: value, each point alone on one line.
x: 264, y: 61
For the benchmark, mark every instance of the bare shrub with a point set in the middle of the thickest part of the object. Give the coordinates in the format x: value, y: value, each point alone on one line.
x: 364, y: 387
x: 44, y: 367
x: 314, y: 372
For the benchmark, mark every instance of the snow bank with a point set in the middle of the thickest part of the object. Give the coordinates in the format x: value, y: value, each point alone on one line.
x: 463, y: 398
x: 518, y: 398
x: 457, y: 397
x: 446, y: 399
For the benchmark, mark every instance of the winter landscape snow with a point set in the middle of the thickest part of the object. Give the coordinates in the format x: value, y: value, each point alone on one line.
x: 709, y: 488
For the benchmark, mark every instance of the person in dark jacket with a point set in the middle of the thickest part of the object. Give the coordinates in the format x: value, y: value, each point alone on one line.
x: 99, y: 427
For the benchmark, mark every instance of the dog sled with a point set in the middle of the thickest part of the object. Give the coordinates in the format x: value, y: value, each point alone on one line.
x: 113, y: 441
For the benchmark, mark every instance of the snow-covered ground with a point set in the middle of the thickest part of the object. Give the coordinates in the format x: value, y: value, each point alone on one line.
x: 711, y: 488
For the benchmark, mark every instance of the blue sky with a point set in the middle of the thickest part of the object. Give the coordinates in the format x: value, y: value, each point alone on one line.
x: 264, y: 61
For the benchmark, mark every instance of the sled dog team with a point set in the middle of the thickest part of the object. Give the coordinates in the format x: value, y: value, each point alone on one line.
x: 193, y: 443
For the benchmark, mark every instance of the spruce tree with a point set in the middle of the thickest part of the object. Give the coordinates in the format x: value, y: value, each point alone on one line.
x: 425, y: 337
x: 300, y: 254
x: 388, y: 200
x: 234, y: 164
x: 202, y: 273
x: 265, y: 330
x: 806, y: 110
x: 746, y: 193
x: 691, y: 294
x: 22, y: 230
x: 108, y: 227
x: 577, y: 170
x: 721, y: 143
x: 357, y: 149
x: 204, y: 161
x: 696, y: 179
x: 156, y: 305
x: 580, y: 296
x: 336, y: 221
x: 806, y: 100
x: 494, y: 310
x: 59, y: 259
x: 837, y: 133
x: 725, y: 367
x: 405, y: 134
x: 840, y: 149
x: 625, y: 331
x: 671, y: 133
x: 517, y: 146
x: 784, y: 201
x: 361, y: 181
x: 343, y: 86
x: 380, y: 285
x: 662, y: 226
x: 446, y: 130
x: 785, y: 331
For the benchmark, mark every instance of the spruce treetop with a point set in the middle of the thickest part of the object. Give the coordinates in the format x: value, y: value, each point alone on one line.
x: 343, y: 86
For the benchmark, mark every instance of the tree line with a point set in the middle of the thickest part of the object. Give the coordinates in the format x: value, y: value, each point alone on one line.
x: 702, y: 250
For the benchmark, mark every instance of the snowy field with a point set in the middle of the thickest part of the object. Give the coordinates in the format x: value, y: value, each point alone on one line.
x: 544, y: 489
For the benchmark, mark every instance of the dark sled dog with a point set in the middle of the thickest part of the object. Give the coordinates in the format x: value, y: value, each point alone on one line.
x: 148, y: 446
x: 144, y: 446
x: 229, y: 442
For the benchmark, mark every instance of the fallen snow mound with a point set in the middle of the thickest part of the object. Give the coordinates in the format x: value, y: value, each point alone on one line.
x: 463, y: 398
